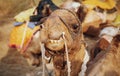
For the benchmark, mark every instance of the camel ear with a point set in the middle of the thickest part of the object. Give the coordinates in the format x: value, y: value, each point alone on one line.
x: 81, y: 13
x: 44, y: 9
x: 47, y: 10
x: 38, y: 14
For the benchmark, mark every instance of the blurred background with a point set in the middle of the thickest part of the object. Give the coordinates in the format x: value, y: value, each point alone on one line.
x: 11, y: 62
x: 12, y: 7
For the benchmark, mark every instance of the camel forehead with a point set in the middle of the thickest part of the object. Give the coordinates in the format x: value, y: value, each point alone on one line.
x: 63, y: 19
x: 54, y: 23
x: 66, y: 15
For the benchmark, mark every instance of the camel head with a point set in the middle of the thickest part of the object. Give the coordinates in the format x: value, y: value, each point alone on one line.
x: 59, y: 23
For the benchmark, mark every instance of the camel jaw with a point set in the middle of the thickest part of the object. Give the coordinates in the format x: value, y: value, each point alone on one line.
x: 55, y: 45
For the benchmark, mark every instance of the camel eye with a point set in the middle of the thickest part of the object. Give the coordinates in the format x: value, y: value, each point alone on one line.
x: 41, y: 26
x: 75, y: 26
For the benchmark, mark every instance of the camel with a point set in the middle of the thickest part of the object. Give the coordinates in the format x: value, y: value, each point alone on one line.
x: 44, y: 9
x: 106, y: 63
x: 59, y: 25
x: 61, y: 34
x: 106, y: 36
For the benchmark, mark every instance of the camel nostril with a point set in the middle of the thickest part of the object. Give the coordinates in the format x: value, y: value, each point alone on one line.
x: 41, y: 26
x: 36, y: 62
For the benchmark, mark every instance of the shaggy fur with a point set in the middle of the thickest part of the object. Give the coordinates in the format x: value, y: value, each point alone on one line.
x: 106, y: 63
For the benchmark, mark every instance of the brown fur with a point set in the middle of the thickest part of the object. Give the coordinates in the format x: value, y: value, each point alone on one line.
x: 92, y: 31
x: 101, y: 45
x: 53, y: 29
x: 82, y: 11
x: 106, y: 63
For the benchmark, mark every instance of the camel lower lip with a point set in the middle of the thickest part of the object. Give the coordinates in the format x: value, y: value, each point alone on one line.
x: 55, y: 45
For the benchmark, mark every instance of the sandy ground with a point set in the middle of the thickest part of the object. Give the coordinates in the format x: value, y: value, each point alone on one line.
x: 11, y: 62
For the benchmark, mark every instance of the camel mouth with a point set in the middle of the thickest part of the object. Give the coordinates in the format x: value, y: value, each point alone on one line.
x: 55, y: 45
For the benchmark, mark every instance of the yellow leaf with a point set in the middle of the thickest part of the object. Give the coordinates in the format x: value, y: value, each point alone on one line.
x: 106, y: 4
